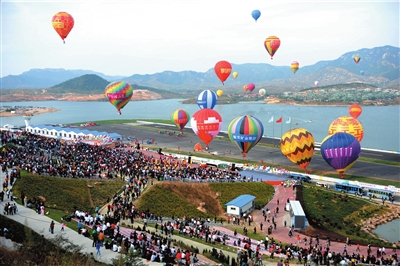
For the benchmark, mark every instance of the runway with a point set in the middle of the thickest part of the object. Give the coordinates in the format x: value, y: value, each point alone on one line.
x: 222, y: 146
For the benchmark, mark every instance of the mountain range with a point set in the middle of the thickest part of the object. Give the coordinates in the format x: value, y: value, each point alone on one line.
x: 379, y: 65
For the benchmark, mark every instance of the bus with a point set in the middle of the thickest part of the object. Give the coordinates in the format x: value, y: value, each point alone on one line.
x: 380, y: 193
x: 349, y: 188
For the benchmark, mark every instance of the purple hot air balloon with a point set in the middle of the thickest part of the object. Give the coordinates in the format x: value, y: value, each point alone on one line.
x: 341, y: 151
x: 250, y: 87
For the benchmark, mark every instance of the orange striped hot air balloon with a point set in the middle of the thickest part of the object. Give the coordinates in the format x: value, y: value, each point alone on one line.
x: 355, y: 110
x: 298, y: 146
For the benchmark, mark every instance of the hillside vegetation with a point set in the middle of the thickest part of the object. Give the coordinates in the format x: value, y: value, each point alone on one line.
x: 179, y: 199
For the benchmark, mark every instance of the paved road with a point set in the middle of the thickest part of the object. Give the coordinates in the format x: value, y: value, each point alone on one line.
x: 268, y: 155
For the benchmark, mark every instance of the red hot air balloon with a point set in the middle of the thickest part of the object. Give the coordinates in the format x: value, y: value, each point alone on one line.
x: 206, y: 124
x: 223, y: 69
x: 62, y: 23
x: 355, y: 110
x: 272, y: 44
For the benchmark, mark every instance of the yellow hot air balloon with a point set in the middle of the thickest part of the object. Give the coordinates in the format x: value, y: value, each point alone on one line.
x: 235, y: 74
x: 220, y: 92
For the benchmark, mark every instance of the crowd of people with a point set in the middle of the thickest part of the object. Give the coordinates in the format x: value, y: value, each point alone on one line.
x: 57, y: 157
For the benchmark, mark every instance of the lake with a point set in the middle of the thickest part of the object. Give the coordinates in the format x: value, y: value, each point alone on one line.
x: 381, y: 123
x: 389, y: 231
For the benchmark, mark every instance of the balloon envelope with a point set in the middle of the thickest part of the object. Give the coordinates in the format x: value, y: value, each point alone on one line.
x: 119, y: 94
x: 362, y: 72
x: 298, y: 146
x: 245, y: 132
x: 62, y: 23
x: 206, y: 124
x: 294, y: 66
x: 235, y: 74
x: 272, y: 44
x: 207, y: 99
x: 262, y: 92
x: 349, y: 125
x: 341, y: 151
x: 220, y: 93
x: 223, y: 70
x: 355, y: 110
x: 250, y: 87
x: 256, y: 14
x: 316, y: 83
x: 356, y: 58
x: 180, y: 118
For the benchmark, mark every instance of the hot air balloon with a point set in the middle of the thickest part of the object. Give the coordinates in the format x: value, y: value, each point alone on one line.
x: 245, y: 87
x: 316, y: 83
x: 262, y: 92
x: 62, y: 23
x: 223, y: 70
x: 355, y: 110
x: 206, y: 124
x: 180, y: 118
x: 298, y: 146
x: 220, y: 93
x: 362, y: 72
x: 349, y: 125
x: 272, y: 44
x: 207, y: 99
x: 245, y: 132
x: 294, y: 66
x: 235, y: 74
x: 356, y: 58
x: 341, y: 151
x: 119, y: 94
x: 250, y: 87
x: 256, y: 14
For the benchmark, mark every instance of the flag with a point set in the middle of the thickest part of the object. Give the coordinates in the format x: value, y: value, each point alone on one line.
x: 271, y: 120
x: 279, y: 120
x: 289, y: 120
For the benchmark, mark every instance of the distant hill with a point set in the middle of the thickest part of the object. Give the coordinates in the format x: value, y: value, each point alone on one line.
x: 380, y: 66
x: 46, y: 78
x: 93, y: 84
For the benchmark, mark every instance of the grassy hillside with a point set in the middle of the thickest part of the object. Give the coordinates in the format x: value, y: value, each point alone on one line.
x: 179, y: 199
x: 338, y: 212
x: 63, y: 193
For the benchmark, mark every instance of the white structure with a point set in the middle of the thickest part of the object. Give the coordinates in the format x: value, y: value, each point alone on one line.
x: 27, y: 120
x: 240, y: 205
x: 297, y: 214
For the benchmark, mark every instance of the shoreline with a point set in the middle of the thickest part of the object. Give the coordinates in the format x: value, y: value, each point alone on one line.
x: 29, y: 112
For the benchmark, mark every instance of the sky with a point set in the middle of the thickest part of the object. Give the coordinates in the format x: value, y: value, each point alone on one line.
x: 150, y: 36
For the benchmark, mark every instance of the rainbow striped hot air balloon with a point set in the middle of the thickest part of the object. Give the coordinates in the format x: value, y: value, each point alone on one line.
x: 341, y: 151
x: 119, y: 94
x: 180, y: 118
x: 207, y: 99
x: 298, y: 146
x: 245, y: 132
x: 272, y: 44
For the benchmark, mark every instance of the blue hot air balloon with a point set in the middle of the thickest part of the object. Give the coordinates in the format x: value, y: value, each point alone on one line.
x: 362, y: 72
x: 207, y: 99
x: 245, y: 132
x: 341, y: 151
x: 256, y: 14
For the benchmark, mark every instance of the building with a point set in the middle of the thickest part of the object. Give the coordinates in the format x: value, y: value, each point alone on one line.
x: 297, y: 215
x: 240, y: 205
x: 89, y: 136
